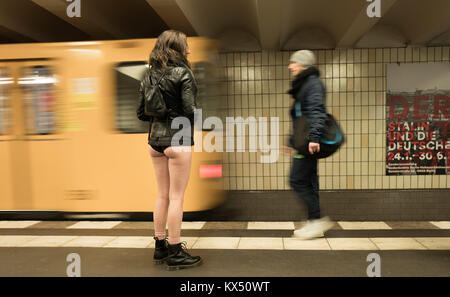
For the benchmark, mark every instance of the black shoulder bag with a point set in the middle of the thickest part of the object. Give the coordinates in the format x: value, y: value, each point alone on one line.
x: 331, y: 140
x: 154, y: 102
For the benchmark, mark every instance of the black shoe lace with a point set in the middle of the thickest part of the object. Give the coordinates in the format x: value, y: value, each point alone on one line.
x: 183, y: 245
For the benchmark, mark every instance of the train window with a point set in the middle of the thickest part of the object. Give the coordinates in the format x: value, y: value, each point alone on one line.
x: 39, y: 102
x: 5, y: 101
x: 209, y: 100
x: 128, y: 80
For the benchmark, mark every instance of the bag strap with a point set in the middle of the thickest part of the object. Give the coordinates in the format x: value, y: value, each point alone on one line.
x: 160, y: 78
x: 168, y: 110
x: 298, y: 109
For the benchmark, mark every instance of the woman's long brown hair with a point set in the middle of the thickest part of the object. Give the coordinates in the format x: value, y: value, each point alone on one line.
x: 170, y: 46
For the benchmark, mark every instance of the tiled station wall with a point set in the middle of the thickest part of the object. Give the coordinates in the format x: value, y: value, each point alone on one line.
x: 256, y: 84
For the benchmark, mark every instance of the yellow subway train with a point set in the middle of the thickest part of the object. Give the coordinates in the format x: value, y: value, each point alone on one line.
x: 70, y: 140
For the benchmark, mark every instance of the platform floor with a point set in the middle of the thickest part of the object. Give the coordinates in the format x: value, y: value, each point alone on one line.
x: 117, y: 248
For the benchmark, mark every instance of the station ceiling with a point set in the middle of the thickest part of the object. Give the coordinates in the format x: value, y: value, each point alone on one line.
x: 241, y: 25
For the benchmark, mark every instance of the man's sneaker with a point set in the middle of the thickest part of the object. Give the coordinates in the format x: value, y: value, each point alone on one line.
x: 314, y: 229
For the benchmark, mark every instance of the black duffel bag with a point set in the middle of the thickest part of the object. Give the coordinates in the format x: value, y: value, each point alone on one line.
x: 331, y: 140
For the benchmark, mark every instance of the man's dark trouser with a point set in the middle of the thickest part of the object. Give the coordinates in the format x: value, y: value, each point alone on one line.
x: 305, y: 182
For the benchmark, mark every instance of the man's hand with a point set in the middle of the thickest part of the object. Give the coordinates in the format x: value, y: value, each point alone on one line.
x: 314, y: 147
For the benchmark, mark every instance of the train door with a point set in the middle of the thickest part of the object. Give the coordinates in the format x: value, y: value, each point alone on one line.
x: 29, y: 124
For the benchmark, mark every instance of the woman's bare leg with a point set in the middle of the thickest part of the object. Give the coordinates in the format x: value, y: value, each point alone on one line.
x: 179, y: 171
x: 160, y: 164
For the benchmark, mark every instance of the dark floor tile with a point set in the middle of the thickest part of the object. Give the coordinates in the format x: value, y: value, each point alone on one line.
x: 225, y: 225
x: 52, y: 225
x: 411, y: 225
x: 135, y: 225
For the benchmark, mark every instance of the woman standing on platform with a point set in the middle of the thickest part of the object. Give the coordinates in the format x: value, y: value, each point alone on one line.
x: 169, y: 66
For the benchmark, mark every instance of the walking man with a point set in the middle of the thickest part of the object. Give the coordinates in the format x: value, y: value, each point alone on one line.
x: 308, y: 92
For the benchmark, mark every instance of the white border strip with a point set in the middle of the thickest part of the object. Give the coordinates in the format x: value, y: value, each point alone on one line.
x: 233, y: 243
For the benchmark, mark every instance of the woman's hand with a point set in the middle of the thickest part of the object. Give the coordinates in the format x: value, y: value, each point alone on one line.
x: 287, y: 150
x: 314, y: 147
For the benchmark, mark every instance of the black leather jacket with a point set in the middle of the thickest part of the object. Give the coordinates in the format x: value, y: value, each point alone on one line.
x: 179, y: 90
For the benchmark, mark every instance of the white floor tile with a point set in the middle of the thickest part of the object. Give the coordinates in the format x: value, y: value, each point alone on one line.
x: 216, y: 243
x: 351, y: 244
x: 264, y: 243
x: 271, y: 226
x: 435, y: 243
x: 397, y: 244
x: 442, y: 224
x: 192, y: 225
x: 89, y: 241
x: 48, y: 241
x: 131, y: 242
x: 94, y: 225
x: 364, y: 226
x: 16, y: 224
x: 299, y: 244
x: 15, y: 240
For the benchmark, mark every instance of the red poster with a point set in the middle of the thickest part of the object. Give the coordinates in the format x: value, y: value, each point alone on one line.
x: 417, y: 133
x: 417, y: 119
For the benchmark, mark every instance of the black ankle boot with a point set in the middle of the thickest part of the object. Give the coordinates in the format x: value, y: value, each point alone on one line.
x: 161, y: 251
x: 179, y: 258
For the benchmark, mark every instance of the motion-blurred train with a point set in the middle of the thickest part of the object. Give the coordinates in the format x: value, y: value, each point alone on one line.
x: 70, y: 140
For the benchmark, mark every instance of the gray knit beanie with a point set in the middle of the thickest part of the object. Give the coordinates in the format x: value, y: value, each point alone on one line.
x: 304, y: 57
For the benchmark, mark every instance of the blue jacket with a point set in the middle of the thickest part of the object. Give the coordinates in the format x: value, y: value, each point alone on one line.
x: 309, y: 93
